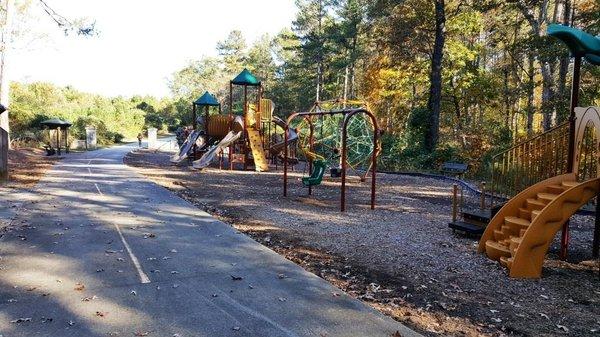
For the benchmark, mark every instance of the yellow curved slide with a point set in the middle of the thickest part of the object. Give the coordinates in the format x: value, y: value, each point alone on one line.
x: 260, y: 161
x: 519, y: 235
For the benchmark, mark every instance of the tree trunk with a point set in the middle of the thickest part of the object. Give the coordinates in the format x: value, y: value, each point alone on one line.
x: 530, y: 95
x: 548, y: 108
x: 4, y: 62
x: 435, y: 78
x: 506, y: 99
x: 563, y: 69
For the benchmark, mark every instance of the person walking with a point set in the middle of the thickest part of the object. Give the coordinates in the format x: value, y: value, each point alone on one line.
x: 139, y: 137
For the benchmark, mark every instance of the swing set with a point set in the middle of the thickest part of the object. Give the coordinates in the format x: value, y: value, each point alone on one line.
x: 317, y: 164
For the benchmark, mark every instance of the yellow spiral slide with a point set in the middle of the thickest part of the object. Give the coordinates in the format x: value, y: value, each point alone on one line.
x: 519, y: 235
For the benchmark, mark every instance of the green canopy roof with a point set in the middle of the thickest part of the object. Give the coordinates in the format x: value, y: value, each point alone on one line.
x: 580, y: 43
x: 54, y: 123
x: 207, y: 99
x: 246, y: 78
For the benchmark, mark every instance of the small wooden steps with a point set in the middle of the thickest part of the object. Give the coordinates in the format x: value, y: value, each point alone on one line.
x: 473, y: 222
x: 466, y: 227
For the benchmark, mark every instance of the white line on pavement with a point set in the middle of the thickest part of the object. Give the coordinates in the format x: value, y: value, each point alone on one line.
x: 143, y: 277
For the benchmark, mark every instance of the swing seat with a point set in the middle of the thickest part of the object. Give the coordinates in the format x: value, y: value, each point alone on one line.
x: 317, y: 173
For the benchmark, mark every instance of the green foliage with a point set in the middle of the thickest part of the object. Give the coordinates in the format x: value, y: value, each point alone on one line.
x: 114, y: 118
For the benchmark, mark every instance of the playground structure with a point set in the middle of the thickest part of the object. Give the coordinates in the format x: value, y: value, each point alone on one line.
x: 360, y: 135
x: 243, y: 133
x: 199, y: 138
x: 520, y: 233
x: 252, y: 140
x: 317, y: 163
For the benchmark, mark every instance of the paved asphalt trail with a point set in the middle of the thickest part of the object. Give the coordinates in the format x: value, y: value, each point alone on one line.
x: 104, y: 252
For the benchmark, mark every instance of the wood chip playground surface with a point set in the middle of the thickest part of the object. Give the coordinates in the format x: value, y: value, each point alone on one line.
x: 401, y: 258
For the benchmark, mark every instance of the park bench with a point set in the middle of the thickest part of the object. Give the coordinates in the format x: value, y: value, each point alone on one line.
x: 50, y: 151
x: 453, y: 168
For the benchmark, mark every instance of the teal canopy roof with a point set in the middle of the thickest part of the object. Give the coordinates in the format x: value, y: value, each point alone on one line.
x: 246, y: 78
x: 54, y: 123
x: 580, y: 43
x: 207, y: 99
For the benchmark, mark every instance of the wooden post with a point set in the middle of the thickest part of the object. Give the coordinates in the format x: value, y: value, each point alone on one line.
x: 482, y: 197
x: 596, y: 242
x: 66, y: 140
x: 58, y: 141
x: 454, y: 202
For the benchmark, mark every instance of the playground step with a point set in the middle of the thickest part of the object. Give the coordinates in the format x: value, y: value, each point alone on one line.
x: 514, y: 244
x: 481, y: 216
x: 516, y: 223
x: 524, y: 213
x: 506, y: 261
x: 534, y: 214
x: 555, y: 189
x: 496, y: 250
x: 546, y: 197
x: 466, y: 227
x: 534, y: 204
x: 507, y: 230
x: 569, y: 184
x: 500, y: 235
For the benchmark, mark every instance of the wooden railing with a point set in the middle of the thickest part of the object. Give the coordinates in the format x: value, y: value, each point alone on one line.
x: 529, y: 162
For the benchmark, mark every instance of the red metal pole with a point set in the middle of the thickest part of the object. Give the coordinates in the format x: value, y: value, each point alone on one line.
x: 374, y: 159
x: 344, y: 154
x: 311, y: 145
x: 285, y: 158
x: 230, y: 116
x: 231, y: 119
x: 245, y: 130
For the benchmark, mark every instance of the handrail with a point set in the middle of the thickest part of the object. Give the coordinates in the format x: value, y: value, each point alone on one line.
x: 528, y: 140
x: 530, y: 161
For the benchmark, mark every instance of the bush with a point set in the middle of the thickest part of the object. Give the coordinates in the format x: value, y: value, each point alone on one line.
x: 114, y: 118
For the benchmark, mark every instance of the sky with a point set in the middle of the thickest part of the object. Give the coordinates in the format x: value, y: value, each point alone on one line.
x: 140, y: 42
